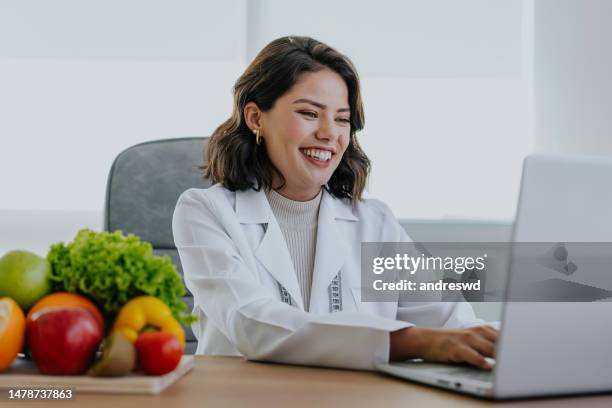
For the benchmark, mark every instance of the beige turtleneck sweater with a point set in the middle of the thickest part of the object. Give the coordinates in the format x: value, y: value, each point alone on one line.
x: 298, y: 222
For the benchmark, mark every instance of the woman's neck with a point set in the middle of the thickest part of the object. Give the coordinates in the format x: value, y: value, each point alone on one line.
x: 298, y: 194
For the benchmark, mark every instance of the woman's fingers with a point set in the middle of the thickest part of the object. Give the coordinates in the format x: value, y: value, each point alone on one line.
x: 480, y: 344
x: 468, y: 355
x: 488, y: 332
x: 477, y: 343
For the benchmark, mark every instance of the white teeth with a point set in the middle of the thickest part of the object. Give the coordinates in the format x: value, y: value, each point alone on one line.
x: 322, y: 155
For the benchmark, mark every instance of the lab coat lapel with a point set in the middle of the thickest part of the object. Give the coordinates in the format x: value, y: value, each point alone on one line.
x: 331, y: 250
x: 252, y: 207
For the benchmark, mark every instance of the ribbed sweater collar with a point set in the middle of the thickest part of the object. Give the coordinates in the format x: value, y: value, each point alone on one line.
x: 292, y: 213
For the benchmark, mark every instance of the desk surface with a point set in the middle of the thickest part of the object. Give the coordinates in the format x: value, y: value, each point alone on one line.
x: 231, y: 381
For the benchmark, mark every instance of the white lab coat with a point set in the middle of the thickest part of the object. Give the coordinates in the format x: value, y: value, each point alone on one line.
x: 234, y: 257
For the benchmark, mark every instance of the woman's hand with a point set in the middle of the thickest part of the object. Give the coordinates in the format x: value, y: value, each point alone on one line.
x: 445, y: 345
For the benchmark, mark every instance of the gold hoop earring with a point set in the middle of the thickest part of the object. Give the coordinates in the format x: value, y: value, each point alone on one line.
x: 257, y: 137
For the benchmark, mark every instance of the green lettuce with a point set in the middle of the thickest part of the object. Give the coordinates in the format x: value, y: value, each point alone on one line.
x: 111, y: 269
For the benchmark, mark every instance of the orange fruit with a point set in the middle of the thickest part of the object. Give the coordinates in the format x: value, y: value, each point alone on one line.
x: 12, y: 331
x: 66, y: 299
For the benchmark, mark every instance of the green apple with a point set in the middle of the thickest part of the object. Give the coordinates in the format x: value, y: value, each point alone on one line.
x: 25, y: 277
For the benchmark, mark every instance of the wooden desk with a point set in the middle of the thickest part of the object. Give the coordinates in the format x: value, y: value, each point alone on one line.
x: 231, y: 381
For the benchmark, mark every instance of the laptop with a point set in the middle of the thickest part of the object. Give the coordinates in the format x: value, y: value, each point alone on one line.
x: 545, y: 348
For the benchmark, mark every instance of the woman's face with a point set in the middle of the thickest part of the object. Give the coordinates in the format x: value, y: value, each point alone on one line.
x: 307, y: 131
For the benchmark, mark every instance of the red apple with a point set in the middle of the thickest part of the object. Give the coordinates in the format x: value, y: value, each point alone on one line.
x: 63, y: 340
x: 158, y: 352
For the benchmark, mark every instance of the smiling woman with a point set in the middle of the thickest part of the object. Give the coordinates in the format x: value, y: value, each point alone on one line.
x: 271, y: 252
x: 301, y: 105
x: 318, y: 133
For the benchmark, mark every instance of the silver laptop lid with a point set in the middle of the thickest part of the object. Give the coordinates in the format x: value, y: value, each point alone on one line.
x: 559, y: 347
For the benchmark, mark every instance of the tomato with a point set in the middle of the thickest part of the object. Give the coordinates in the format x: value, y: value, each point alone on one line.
x: 158, y: 352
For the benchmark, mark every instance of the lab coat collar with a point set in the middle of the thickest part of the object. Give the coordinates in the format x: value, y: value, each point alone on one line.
x: 331, y: 250
x: 336, y: 208
x: 252, y: 207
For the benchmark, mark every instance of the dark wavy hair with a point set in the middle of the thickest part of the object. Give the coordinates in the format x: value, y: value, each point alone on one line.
x: 238, y: 163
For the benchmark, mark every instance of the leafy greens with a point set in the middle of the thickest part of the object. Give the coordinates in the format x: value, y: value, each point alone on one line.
x: 111, y: 269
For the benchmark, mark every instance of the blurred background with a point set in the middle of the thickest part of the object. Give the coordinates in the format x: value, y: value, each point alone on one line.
x: 456, y: 94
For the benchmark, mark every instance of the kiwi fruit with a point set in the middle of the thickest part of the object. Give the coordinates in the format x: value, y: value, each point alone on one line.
x: 118, y: 357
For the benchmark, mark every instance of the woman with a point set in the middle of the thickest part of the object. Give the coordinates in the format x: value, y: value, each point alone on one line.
x: 271, y: 252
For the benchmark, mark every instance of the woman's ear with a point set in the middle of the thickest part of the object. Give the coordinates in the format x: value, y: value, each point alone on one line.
x: 252, y: 116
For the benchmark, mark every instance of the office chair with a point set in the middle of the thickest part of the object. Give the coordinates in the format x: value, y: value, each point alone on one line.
x: 143, y: 187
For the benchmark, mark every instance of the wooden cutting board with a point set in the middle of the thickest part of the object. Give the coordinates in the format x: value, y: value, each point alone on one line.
x: 23, y: 374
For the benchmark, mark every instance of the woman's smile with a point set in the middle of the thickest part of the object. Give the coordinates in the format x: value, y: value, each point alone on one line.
x: 318, y: 157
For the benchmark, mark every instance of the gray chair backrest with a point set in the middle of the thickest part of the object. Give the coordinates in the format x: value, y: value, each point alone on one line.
x: 143, y: 187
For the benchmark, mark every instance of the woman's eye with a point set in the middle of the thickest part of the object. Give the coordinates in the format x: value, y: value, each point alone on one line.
x: 309, y: 114
x: 345, y: 120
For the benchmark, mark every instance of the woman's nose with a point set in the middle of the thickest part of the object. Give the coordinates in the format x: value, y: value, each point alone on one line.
x: 326, y: 131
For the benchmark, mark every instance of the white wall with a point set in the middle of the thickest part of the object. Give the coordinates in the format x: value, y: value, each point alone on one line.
x: 37, y: 230
x: 62, y: 122
x: 180, y: 30
x: 403, y: 38
x: 573, y: 81
x: 81, y: 81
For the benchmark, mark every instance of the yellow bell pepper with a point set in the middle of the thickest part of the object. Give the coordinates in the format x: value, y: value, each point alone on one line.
x: 147, y: 310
